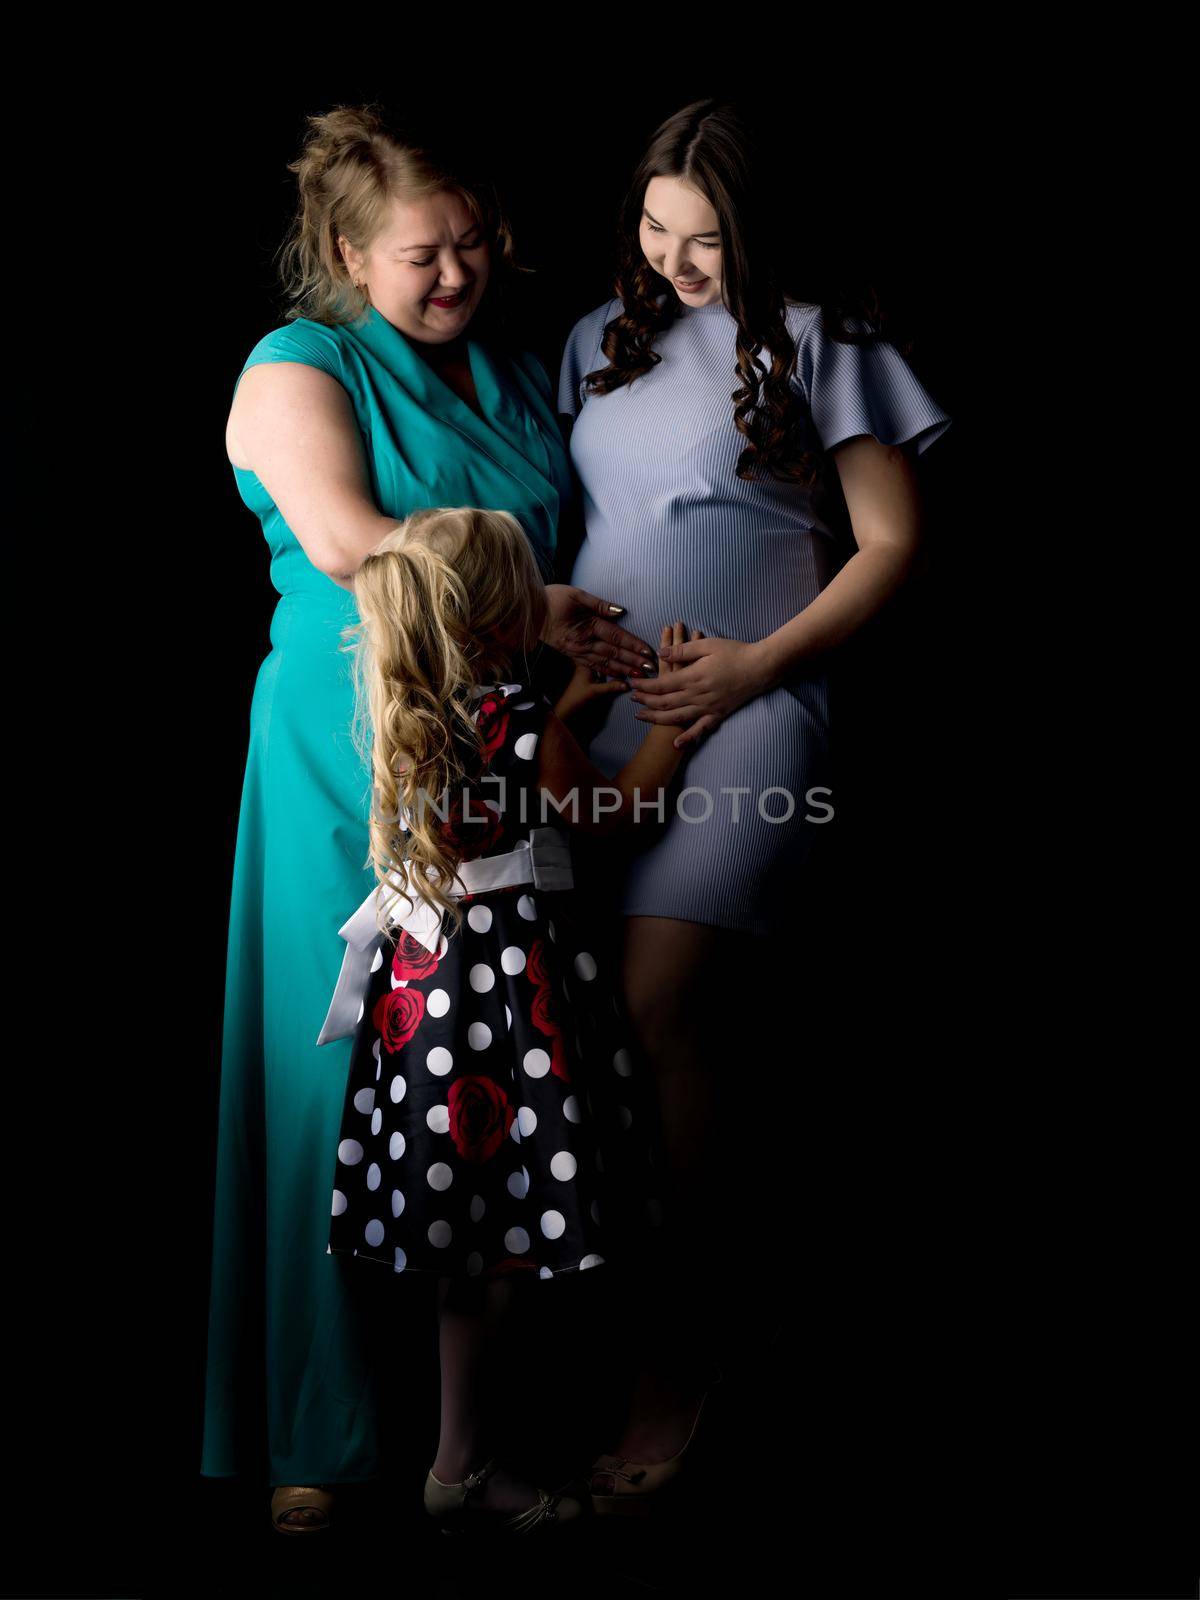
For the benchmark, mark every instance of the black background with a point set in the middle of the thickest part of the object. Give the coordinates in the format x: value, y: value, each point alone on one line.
x: 982, y: 1362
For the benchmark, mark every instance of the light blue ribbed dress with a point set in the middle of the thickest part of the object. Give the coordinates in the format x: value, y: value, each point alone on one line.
x: 671, y: 531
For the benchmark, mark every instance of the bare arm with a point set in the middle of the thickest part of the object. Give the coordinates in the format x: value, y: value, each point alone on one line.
x: 294, y: 427
x: 885, y: 515
x: 718, y: 675
x: 565, y: 772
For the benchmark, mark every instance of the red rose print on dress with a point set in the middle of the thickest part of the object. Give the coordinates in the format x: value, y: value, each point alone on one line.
x: 492, y: 724
x: 412, y: 961
x: 541, y: 1013
x: 475, y: 832
x: 397, y: 1016
x: 480, y: 1117
x: 535, y: 964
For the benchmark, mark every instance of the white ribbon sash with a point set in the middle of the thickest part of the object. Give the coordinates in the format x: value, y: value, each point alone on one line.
x: 544, y: 860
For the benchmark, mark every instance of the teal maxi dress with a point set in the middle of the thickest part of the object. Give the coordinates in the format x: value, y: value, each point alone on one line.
x: 285, y: 1335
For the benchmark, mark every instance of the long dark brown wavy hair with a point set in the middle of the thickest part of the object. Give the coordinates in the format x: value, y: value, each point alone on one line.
x: 712, y: 148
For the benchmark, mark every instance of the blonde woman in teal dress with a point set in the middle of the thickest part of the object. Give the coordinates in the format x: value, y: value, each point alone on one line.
x: 386, y: 395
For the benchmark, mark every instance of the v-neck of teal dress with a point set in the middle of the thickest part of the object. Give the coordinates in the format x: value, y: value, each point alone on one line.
x: 424, y: 445
x: 289, y: 1358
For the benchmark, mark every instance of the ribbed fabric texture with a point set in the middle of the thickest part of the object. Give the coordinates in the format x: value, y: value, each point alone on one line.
x: 672, y: 532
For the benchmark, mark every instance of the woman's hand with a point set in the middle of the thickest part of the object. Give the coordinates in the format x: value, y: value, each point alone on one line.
x: 583, y: 688
x: 708, y: 679
x: 580, y: 625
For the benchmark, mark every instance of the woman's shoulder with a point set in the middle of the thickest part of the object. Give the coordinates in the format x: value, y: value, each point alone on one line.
x: 314, y: 344
x: 591, y: 324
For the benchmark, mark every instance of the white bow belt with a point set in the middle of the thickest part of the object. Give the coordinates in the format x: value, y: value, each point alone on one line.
x: 545, y: 861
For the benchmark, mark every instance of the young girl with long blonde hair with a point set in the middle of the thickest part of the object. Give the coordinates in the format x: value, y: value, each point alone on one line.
x: 496, y: 1127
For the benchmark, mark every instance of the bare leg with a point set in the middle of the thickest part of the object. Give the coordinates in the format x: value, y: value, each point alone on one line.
x: 470, y: 1314
x: 673, y: 975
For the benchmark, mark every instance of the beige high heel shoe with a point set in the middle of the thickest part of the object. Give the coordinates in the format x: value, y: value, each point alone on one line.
x: 447, y: 1502
x: 293, y: 1497
x: 639, y: 1486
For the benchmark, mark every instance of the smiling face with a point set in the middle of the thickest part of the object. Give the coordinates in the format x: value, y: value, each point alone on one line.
x: 427, y: 269
x: 681, y: 239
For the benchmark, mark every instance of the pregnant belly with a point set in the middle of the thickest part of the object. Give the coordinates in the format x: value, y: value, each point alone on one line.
x: 740, y: 583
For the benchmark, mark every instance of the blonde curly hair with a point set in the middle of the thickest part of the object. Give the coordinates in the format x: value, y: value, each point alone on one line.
x: 444, y: 601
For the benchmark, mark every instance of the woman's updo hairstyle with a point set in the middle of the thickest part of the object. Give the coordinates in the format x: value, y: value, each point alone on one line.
x: 354, y: 163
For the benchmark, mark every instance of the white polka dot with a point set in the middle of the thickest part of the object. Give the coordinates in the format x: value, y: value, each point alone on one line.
x: 513, y: 960
x: 536, y: 1063
x: 477, y: 1208
x: 623, y: 1062
x: 550, y: 929
x: 523, y: 705
x: 626, y: 1117
x: 526, y: 745
x: 516, y: 1241
x: 518, y: 1183
x: 401, y: 1260
x: 563, y: 1165
x: 378, y: 961
x: 399, y: 983
x: 526, y: 907
x: 397, y: 1202
x: 544, y: 1272
x: 373, y: 1232
x: 585, y: 966
x: 480, y: 918
x: 397, y: 1089
x: 474, y: 1264
x: 479, y: 1036
x: 591, y: 1261
x: 364, y: 1101
x: 514, y: 1131
x: 439, y: 1176
x: 439, y: 1061
x: 361, y: 1008
x: 350, y: 1151
x: 437, y: 1119
x: 373, y: 1175
x: 376, y: 1120
x: 482, y: 978
x: 527, y: 1120
x: 375, y: 1049
x: 396, y: 1146
x: 571, y: 1108
x: 508, y: 1016
x: 437, y: 1002
x: 554, y: 1224
x: 440, y: 1234
x: 339, y: 1203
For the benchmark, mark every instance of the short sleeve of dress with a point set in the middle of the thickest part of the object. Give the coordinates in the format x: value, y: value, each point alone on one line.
x: 853, y: 389
x: 310, y: 343
x: 581, y: 355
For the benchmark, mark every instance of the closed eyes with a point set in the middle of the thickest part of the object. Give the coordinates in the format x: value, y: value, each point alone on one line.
x: 704, y: 244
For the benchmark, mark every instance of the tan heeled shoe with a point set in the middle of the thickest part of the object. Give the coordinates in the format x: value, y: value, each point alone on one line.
x: 447, y: 1502
x: 293, y: 1497
x: 639, y: 1486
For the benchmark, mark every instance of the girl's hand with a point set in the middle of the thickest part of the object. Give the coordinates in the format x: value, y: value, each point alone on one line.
x: 580, y: 625
x: 701, y: 681
x: 583, y: 687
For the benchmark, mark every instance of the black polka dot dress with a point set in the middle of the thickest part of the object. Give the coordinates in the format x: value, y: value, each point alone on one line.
x: 496, y: 1118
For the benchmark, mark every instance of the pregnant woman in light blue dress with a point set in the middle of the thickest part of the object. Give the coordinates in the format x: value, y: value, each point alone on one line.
x: 683, y: 523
